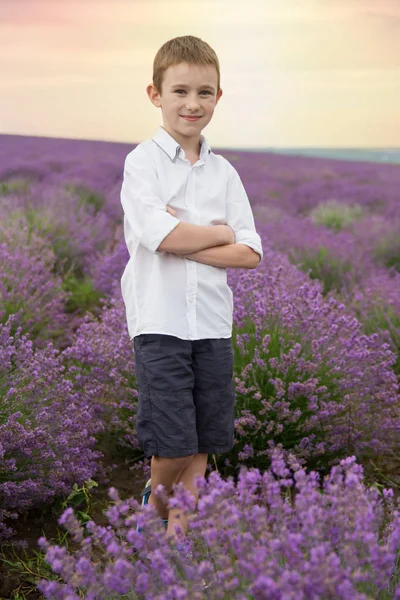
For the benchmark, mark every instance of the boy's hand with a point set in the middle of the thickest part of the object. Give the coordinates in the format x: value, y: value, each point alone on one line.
x: 171, y: 211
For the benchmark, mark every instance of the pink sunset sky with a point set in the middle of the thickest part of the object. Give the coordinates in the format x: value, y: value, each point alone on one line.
x: 294, y: 72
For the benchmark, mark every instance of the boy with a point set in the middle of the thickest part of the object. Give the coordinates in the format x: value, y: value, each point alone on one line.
x: 186, y: 219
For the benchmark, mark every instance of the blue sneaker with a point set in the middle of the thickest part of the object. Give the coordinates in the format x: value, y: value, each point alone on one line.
x: 145, y: 493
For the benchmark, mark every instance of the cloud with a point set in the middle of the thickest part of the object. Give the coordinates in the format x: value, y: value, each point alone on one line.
x: 47, y: 81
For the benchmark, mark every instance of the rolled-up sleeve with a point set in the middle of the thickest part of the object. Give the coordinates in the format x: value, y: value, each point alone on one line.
x: 239, y: 215
x: 141, y: 200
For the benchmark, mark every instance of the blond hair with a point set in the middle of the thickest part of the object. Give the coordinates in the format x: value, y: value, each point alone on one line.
x: 186, y: 48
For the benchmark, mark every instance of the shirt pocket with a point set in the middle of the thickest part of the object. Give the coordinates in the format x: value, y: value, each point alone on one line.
x: 173, y: 192
x: 174, y: 196
x: 212, y: 208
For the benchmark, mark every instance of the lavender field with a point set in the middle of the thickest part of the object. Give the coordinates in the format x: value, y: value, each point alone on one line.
x: 306, y: 506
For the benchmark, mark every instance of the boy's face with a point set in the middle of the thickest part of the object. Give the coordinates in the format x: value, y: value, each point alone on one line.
x: 187, y: 90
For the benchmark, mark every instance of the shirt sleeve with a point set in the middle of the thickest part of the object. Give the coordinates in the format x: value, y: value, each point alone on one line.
x: 141, y: 200
x: 239, y: 215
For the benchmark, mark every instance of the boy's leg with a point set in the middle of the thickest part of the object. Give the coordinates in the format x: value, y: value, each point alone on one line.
x: 166, y: 471
x: 214, y: 398
x: 166, y: 416
x: 197, y: 466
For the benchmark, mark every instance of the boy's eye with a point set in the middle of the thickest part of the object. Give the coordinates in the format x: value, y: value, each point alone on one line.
x: 204, y: 91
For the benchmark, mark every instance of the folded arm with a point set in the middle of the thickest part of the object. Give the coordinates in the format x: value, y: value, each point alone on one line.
x: 156, y: 228
x: 160, y: 231
x: 234, y: 256
x: 246, y: 252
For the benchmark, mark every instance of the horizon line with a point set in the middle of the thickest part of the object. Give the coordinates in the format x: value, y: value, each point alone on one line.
x: 244, y: 148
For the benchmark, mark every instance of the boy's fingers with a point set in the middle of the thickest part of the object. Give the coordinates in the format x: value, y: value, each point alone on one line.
x: 171, y: 211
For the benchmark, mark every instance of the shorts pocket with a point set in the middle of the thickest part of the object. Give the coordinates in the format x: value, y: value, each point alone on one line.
x: 143, y: 339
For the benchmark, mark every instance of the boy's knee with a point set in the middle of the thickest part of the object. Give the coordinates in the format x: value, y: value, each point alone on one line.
x: 177, y: 463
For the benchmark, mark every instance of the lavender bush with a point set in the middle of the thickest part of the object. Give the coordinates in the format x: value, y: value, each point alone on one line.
x: 30, y: 291
x: 376, y: 304
x: 102, y: 357
x: 334, y: 258
x: 273, y: 535
x: 46, y: 429
x: 74, y: 229
x: 387, y: 251
x: 336, y: 215
x: 307, y: 376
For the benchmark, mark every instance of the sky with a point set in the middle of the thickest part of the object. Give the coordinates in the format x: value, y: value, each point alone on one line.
x: 294, y: 73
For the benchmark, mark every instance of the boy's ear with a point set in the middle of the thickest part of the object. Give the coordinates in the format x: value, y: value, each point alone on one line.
x: 219, y: 94
x: 153, y: 94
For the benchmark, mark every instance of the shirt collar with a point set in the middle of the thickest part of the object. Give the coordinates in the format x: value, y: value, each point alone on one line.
x: 163, y: 139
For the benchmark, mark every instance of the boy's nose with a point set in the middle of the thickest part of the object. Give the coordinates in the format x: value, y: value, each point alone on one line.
x: 192, y: 105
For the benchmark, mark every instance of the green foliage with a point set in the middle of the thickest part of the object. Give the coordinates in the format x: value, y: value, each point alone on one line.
x: 387, y: 250
x: 321, y: 265
x: 388, y: 594
x: 40, y: 222
x: 41, y: 325
x: 257, y: 378
x: 336, y: 215
x: 86, y: 196
x: 56, y: 235
x: 37, y: 324
x: 28, y: 566
x: 34, y: 220
x: 14, y: 186
x: 382, y: 317
x: 79, y: 499
x: 83, y: 297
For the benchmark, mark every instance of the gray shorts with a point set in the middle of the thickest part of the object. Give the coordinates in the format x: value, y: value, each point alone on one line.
x: 186, y: 395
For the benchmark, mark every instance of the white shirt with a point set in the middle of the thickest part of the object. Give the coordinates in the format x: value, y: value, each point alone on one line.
x: 164, y: 292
